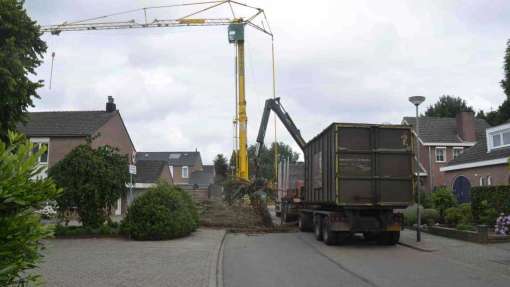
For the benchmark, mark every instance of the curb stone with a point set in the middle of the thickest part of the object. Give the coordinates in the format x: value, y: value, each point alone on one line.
x: 216, y: 265
x: 416, y: 247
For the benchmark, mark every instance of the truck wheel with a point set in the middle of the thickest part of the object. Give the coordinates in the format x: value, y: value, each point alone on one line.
x: 389, y: 237
x: 370, y: 235
x: 328, y: 236
x: 305, y: 222
x: 278, y: 214
x: 317, y: 227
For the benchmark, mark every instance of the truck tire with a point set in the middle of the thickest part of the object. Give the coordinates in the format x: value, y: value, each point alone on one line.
x: 328, y: 236
x: 389, y: 237
x: 317, y: 227
x: 278, y: 214
x: 370, y: 235
x: 305, y: 222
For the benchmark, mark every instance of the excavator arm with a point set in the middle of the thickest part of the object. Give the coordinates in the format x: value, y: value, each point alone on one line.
x: 277, y: 108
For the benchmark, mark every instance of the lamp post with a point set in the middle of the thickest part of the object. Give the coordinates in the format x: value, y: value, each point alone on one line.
x: 416, y: 101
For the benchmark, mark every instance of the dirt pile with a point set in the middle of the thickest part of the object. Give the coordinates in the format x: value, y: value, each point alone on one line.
x: 216, y: 213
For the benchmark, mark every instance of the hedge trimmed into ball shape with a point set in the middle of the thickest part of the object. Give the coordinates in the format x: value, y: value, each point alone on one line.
x: 163, y: 212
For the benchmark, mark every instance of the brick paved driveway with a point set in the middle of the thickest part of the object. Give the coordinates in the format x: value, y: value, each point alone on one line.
x: 117, y: 262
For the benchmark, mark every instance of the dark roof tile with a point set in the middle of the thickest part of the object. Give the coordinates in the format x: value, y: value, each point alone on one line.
x: 149, y: 171
x: 68, y: 123
x: 188, y: 158
x: 443, y: 130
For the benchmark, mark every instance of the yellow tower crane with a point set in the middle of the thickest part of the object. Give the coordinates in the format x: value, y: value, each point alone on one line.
x: 236, y: 25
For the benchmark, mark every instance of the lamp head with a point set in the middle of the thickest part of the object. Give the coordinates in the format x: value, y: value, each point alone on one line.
x: 416, y: 100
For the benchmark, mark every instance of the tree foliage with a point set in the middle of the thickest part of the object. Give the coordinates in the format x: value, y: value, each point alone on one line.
x: 21, y: 50
x: 20, y: 228
x: 93, y: 180
x: 502, y: 114
x: 448, y: 107
x: 505, y: 83
x: 266, y: 159
x: 220, y: 168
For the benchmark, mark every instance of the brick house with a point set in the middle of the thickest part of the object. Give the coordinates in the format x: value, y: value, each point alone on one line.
x: 486, y: 163
x: 62, y: 131
x: 443, y: 140
x: 181, y: 164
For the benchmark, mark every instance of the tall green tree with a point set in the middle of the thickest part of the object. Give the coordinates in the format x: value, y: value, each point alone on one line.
x: 220, y: 168
x: 21, y: 231
x: 448, y: 107
x: 505, y: 83
x: 266, y: 159
x: 502, y: 114
x: 21, y: 50
x: 92, y: 180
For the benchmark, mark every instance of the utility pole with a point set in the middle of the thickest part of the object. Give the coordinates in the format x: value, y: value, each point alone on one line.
x: 416, y: 101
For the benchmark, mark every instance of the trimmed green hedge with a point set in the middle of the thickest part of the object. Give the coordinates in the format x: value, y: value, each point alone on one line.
x: 163, y: 212
x: 487, y: 201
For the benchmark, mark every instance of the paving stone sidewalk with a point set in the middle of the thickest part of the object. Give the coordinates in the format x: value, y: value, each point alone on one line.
x: 188, y: 261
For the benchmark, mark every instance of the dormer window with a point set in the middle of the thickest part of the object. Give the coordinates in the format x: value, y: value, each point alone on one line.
x: 498, y: 137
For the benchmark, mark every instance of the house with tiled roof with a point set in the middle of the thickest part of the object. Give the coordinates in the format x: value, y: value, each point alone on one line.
x: 486, y: 163
x: 62, y: 131
x: 443, y: 140
x: 148, y: 173
x: 182, y: 164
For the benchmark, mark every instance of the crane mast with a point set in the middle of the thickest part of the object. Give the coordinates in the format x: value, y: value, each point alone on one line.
x: 236, y: 26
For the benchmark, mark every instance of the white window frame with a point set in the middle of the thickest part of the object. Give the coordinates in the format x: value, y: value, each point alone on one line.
x: 444, y: 153
x: 499, y: 130
x: 489, y: 180
x: 481, y: 180
x: 171, y: 170
x: 185, y: 174
x: 461, y: 149
x: 39, y: 142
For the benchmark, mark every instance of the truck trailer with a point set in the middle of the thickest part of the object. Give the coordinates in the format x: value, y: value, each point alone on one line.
x: 356, y: 176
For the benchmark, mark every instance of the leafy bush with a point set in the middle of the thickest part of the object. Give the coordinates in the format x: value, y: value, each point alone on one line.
x: 20, y: 228
x: 442, y: 199
x: 459, y: 215
x: 467, y: 214
x: 453, y: 215
x: 410, y: 215
x: 487, y: 215
x: 490, y: 201
x: 425, y: 199
x: 502, y: 225
x: 430, y: 216
x: 93, y: 180
x: 163, y: 212
x: 85, y: 231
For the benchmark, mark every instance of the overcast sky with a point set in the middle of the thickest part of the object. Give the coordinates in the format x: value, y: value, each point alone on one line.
x: 343, y: 61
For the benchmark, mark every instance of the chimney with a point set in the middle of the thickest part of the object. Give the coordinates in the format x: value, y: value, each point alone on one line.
x: 110, y: 105
x: 466, y: 126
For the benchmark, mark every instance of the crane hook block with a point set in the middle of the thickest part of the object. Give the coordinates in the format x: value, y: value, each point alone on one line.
x: 235, y: 32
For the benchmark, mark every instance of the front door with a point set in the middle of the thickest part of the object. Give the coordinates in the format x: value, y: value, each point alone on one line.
x: 461, y: 188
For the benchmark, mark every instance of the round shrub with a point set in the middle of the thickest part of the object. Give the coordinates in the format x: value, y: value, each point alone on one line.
x: 453, y: 215
x: 163, y: 212
x: 430, y: 216
x: 410, y: 215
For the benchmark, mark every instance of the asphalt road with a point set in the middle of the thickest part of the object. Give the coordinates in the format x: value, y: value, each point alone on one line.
x: 297, y: 259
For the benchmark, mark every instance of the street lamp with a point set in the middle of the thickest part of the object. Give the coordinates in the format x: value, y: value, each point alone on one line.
x: 416, y: 101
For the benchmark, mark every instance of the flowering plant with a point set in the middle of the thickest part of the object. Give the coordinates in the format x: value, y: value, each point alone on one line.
x: 502, y: 225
